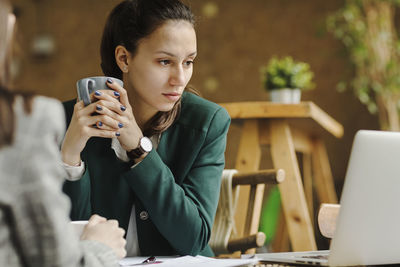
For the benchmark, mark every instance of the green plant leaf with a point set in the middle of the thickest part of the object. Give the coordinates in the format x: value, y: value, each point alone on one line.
x: 286, y: 73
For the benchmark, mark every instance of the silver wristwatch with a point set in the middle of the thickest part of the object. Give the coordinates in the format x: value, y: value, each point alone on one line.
x: 145, y: 146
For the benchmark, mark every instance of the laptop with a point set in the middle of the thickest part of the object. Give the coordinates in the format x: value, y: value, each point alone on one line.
x: 368, y: 225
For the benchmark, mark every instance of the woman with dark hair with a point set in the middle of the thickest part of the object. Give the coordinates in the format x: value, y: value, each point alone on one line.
x: 158, y: 170
x: 34, y: 223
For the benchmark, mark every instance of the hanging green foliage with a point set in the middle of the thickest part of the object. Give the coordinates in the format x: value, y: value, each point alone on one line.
x: 367, y: 30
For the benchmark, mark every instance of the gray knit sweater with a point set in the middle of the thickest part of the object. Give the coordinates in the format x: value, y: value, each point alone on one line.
x: 34, y: 222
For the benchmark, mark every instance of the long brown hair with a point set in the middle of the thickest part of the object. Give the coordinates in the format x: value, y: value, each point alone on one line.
x: 5, y: 11
x: 128, y: 23
x: 7, y: 97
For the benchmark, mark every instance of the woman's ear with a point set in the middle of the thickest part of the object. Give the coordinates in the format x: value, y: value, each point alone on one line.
x: 121, y: 57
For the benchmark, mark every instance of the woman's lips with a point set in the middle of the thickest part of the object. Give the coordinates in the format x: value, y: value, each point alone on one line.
x: 172, y: 96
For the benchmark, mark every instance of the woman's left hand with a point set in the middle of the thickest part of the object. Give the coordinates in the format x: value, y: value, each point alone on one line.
x: 121, y: 111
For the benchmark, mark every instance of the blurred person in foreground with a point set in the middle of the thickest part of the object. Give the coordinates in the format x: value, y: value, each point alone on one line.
x: 34, y: 223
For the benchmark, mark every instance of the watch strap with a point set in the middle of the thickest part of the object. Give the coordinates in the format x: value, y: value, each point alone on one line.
x: 135, y: 153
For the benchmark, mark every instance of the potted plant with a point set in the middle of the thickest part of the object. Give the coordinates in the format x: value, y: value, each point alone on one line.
x: 285, y: 78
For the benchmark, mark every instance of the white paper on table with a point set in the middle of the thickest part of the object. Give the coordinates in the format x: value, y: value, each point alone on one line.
x: 129, y: 261
x: 189, y: 261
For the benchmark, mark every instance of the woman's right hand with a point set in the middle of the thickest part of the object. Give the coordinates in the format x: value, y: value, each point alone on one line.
x: 81, y: 128
x: 107, y: 232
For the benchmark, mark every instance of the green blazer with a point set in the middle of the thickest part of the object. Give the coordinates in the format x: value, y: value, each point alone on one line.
x: 175, y: 189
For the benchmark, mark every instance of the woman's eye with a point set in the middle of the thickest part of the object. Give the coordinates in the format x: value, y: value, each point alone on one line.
x: 165, y: 62
x: 189, y: 62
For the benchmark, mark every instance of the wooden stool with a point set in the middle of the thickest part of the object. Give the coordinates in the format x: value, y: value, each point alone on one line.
x: 327, y: 217
x: 287, y: 128
x: 247, y: 242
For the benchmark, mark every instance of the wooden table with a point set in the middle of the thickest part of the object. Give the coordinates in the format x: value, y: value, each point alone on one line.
x: 287, y: 128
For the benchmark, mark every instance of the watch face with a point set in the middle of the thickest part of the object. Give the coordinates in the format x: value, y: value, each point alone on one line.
x: 146, y: 144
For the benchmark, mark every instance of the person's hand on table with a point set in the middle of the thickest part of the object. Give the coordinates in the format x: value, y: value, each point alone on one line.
x: 107, y: 232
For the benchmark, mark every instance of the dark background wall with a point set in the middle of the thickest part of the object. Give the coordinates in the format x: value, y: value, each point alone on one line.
x: 235, y: 38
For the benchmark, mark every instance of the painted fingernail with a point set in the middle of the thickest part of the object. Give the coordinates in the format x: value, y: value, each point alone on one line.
x: 116, y: 93
x: 120, y: 125
x: 117, y: 134
x: 123, y: 108
x: 100, y: 123
x: 98, y: 93
x: 109, y: 80
x: 99, y: 107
